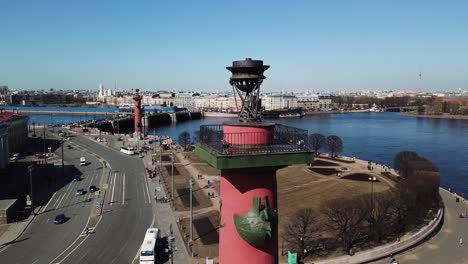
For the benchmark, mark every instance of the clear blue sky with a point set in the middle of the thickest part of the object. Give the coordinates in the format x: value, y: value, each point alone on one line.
x: 151, y: 45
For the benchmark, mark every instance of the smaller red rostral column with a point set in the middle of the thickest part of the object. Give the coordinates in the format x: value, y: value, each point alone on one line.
x: 137, y: 112
x: 248, y: 153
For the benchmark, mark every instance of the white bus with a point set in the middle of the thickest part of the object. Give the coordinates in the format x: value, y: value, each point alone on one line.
x: 127, y: 150
x: 149, y: 246
x: 83, y: 161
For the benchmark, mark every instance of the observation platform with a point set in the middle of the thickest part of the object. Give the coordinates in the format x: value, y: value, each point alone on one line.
x: 229, y: 146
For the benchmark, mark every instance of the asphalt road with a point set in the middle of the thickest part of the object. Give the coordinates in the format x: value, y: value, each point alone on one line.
x: 126, y: 215
x: 444, y: 247
x: 43, y: 239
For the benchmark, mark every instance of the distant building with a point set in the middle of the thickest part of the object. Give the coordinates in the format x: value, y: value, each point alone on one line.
x: 279, y: 101
x: 308, y: 102
x: 4, y: 151
x: 3, y: 94
x: 325, y: 103
x: 101, y: 91
x: 184, y: 100
x: 17, y: 131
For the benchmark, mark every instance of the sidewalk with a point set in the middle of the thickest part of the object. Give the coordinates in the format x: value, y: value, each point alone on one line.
x: 10, y: 232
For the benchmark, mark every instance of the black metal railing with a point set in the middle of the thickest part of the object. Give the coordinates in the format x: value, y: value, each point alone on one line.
x: 284, y: 139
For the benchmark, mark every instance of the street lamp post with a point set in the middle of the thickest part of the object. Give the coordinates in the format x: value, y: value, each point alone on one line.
x: 31, y: 170
x: 372, y: 180
x: 160, y: 157
x: 371, y: 218
x: 43, y: 140
x: 172, y: 176
x: 63, y: 167
x: 191, y: 209
x: 170, y: 244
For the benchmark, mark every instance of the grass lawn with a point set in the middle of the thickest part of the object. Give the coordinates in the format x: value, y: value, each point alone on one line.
x: 182, y: 191
x: 207, y: 170
x: 205, y: 234
x: 193, y: 158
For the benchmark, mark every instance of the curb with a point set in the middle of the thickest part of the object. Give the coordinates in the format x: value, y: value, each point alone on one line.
x: 4, y: 245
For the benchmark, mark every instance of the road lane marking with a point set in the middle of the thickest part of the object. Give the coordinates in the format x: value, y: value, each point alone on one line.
x: 51, y: 198
x: 138, y: 252
x: 123, y: 190
x: 77, y: 246
x: 147, y: 189
x: 58, y: 199
x: 58, y: 205
x: 35, y: 261
x: 136, y: 256
x: 113, y: 188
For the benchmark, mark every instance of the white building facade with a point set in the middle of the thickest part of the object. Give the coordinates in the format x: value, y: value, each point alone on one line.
x: 279, y: 101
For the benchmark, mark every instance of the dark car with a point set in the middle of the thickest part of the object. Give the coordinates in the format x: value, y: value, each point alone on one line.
x: 77, y: 178
x: 80, y: 192
x: 93, y: 188
x: 59, y: 219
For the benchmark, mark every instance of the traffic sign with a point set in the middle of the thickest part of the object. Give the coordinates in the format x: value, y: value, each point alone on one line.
x: 29, y: 202
x: 96, y: 193
x: 98, y: 203
x: 105, y: 186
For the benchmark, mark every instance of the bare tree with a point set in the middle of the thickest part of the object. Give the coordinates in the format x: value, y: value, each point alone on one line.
x: 345, y: 217
x: 317, y: 142
x: 400, y: 162
x: 301, y: 232
x: 184, y: 139
x: 377, y: 211
x: 421, y: 110
x: 334, y: 144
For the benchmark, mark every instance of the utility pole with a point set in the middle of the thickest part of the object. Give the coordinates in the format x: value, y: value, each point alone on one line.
x: 63, y: 167
x: 172, y: 176
x: 43, y: 140
x: 191, y: 209
x: 170, y: 244
x: 154, y: 141
x: 160, y: 157
x: 31, y: 170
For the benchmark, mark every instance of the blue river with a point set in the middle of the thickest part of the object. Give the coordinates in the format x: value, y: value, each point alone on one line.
x: 371, y: 136
x: 380, y: 136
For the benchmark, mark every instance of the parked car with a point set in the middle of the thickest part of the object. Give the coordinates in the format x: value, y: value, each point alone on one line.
x: 93, y: 188
x: 80, y: 192
x: 59, y: 219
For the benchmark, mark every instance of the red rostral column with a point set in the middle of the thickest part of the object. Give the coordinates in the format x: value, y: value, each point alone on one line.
x: 137, y: 111
x: 248, y: 153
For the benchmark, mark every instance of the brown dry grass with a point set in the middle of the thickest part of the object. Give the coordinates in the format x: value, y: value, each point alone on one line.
x: 298, y: 187
x: 205, y: 234
x: 207, y: 170
x: 181, y: 189
x: 193, y: 158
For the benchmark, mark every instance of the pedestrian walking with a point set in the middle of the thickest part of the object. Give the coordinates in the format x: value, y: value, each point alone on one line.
x: 461, y: 241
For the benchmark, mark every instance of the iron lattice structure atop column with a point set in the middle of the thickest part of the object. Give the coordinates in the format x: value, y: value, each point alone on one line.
x: 247, y: 76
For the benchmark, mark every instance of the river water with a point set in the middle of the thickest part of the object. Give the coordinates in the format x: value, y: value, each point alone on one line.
x: 371, y: 136
x: 379, y: 137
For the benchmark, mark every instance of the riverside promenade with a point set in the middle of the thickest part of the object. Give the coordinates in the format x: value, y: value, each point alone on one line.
x: 444, y: 247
